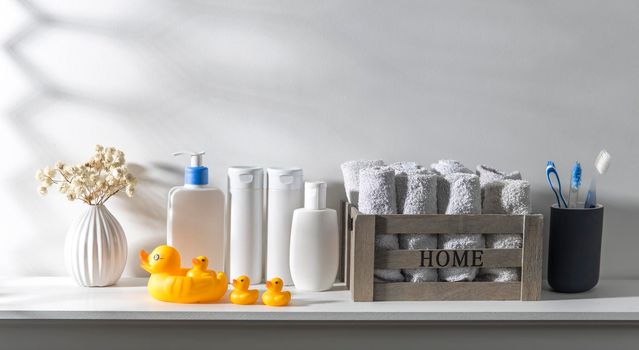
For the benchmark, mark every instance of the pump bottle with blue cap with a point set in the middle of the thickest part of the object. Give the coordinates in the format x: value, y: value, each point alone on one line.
x: 195, y: 220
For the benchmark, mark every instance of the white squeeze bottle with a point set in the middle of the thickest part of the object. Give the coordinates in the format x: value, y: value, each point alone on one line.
x: 314, y: 241
x: 246, y: 201
x: 195, y: 224
x: 285, y: 194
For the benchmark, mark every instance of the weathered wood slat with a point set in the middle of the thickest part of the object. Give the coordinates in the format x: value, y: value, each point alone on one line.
x: 435, y: 223
x: 532, y: 259
x: 363, y: 253
x: 407, y: 291
x: 346, y: 252
x: 354, y: 211
x: 398, y: 259
x: 341, y: 274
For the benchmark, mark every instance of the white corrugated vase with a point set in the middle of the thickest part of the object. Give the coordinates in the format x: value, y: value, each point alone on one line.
x: 96, y: 248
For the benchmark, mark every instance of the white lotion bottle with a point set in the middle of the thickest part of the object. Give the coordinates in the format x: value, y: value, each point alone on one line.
x: 195, y: 216
x: 285, y: 194
x: 246, y: 202
x: 314, y: 241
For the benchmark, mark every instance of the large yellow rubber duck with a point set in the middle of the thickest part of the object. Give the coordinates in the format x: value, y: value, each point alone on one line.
x: 241, y: 295
x: 274, y: 295
x: 169, y: 282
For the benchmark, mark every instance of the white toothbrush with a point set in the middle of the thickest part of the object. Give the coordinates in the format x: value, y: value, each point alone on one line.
x: 602, y: 162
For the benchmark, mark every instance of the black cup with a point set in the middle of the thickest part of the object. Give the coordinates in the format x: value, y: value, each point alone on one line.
x: 574, y: 248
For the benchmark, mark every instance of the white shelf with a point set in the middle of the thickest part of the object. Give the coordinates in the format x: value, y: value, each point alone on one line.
x: 60, y: 298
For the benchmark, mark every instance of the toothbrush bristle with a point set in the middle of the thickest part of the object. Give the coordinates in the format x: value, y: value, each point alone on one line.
x: 602, y: 162
x: 576, y: 175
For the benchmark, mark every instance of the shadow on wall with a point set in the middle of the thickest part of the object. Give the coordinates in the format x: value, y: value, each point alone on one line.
x: 334, y: 194
x: 144, y: 215
x: 146, y: 212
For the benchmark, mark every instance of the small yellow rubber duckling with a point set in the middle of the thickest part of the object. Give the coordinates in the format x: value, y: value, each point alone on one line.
x: 200, y: 266
x: 241, y: 295
x: 274, y: 295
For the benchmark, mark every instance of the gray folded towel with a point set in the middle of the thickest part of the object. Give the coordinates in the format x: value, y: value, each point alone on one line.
x: 377, y: 196
x: 402, y: 167
x: 505, y: 197
x: 401, y: 181
x: 401, y: 184
x: 449, y: 166
x: 489, y: 174
x: 417, y: 194
x: 350, y: 171
x: 459, y: 193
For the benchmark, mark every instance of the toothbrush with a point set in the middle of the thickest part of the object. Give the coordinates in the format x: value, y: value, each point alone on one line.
x: 575, y: 183
x: 550, y: 170
x: 602, y: 162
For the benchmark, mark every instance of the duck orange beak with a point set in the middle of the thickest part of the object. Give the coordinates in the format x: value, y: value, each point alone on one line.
x: 144, y: 261
x: 269, y: 284
x: 195, y: 262
x: 234, y: 283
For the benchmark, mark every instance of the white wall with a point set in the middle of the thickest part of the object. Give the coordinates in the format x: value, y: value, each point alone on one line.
x: 310, y: 83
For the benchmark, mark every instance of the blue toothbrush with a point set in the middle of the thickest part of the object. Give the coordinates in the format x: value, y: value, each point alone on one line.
x: 550, y: 170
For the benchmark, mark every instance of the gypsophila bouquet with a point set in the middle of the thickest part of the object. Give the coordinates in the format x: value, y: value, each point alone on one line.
x: 93, y: 182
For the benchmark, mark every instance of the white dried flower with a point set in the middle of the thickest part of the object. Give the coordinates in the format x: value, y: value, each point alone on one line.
x: 64, y: 187
x: 49, y: 172
x: 130, y: 190
x: 110, y: 180
x: 46, y: 182
x: 117, y: 172
x: 42, y: 190
x: 94, y: 181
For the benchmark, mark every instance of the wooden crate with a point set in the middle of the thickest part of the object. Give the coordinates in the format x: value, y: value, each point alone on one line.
x: 361, y: 258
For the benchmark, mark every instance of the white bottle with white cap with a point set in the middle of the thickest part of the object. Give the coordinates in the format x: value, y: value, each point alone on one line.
x: 195, y: 215
x: 246, y: 197
x: 285, y: 194
x: 314, y: 241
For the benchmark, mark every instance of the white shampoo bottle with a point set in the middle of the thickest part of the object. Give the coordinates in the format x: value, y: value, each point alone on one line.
x: 285, y: 194
x: 195, y: 217
x: 314, y: 241
x: 246, y: 202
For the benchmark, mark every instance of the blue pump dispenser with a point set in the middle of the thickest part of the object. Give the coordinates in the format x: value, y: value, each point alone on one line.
x: 196, y: 174
x: 195, y: 215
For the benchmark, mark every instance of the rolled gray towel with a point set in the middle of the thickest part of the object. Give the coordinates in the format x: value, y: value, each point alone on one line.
x: 493, y: 205
x: 459, y: 193
x: 449, y: 166
x: 403, y: 167
x: 505, y: 197
x: 350, y: 171
x: 377, y: 196
x: 401, y: 183
x: 489, y: 174
x: 418, y: 195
